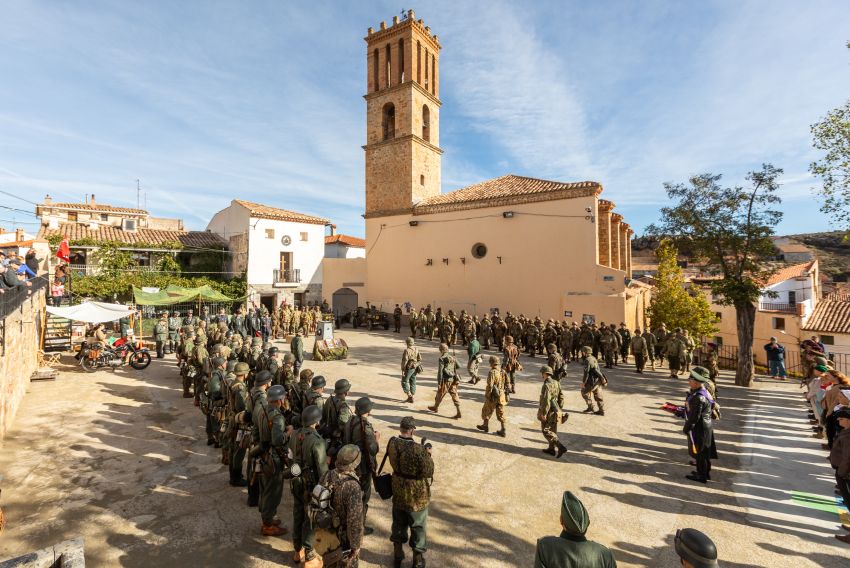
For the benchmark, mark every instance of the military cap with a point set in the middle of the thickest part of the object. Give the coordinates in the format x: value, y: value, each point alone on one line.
x: 273, y: 351
x: 242, y: 368
x: 218, y: 361
x: 695, y: 547
x: 318, y: 382
x: 700, y: 374
x: 574, y: 517
x: 276, y: 392
x: 363, y: 405
x: 342, y: 386
x: 409, y: 341
x: 311, y: 415
x: 586, y: 350
x: 348, y: 457
x: 263, y: 378
x: 493, y: 359
x: 287, y: 357
x: 546, y: 370
x: 407, y: 423
x: 175, y: 313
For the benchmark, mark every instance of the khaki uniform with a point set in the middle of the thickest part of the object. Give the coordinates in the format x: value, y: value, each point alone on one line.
x: 549, y: 410
x: 494, y: 395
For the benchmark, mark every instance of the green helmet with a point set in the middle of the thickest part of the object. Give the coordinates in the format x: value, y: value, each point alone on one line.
x: 277, y: 392
x: 242, y: 369
x: 546, y: 370
x: 348, y: 457
x: 311, y: 415
x: 363, y: 405
x: 342, y: 386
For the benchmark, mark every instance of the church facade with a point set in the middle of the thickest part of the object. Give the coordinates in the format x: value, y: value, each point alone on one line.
x: 537, y: 247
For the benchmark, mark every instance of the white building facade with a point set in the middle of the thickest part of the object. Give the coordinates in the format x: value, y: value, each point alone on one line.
x: 279, y: 251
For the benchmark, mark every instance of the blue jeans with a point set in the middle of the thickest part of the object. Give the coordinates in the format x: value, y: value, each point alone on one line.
x: 777, y: 368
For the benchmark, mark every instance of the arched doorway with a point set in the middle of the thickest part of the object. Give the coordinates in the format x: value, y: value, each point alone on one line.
x: 343, y: 302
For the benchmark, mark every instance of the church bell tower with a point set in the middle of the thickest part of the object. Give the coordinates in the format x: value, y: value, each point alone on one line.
x: 402, y: 116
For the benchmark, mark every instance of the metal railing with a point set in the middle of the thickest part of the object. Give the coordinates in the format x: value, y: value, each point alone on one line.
x: 727, y: 356
x: 292, y: 276
x: 12, y: 298
x: 784, y: 308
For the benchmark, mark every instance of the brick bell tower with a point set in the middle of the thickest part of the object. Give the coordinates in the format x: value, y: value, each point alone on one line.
x: 402, y: 116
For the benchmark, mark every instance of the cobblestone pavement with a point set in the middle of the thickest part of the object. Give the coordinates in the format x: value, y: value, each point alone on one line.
x: 120, y: 458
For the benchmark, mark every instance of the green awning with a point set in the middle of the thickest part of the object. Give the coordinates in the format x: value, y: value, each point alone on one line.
x: 178, y: 295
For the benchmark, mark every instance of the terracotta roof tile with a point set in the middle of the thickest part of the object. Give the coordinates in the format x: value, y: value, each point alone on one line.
x: 152, y: 237
x: 789, y: 272
x: 505, y: 190
x: 346, y: 240
x: 266, y: 212
x: 831, y: 316
x: 95, y: 207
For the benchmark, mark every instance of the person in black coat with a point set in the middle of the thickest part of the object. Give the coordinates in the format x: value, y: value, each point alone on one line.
x: 698, y: 425
x: 32, y: 261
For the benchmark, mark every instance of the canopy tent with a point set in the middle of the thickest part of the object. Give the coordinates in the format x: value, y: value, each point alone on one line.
x: 178, y: 295
x: 93, y: 312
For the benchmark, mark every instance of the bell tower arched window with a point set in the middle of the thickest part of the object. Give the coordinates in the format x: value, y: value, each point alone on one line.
x: 388, y: 121
x: 426, y: 123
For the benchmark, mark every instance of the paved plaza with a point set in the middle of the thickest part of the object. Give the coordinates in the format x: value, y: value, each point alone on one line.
x: 120, y: 459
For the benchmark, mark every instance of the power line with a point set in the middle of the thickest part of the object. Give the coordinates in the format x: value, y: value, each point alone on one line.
x: 24, y: 211
x: 18, y: 197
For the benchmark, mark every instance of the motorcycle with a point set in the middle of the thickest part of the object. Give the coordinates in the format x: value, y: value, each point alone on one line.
x: 122, y: 352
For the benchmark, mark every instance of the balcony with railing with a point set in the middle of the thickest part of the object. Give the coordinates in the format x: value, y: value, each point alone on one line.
x: 774, y: 307
x: 290, y: 277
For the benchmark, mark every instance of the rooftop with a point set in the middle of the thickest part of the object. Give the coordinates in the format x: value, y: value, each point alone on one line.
x: 506, y: 190
x: 151, y: 237
x: 346, y: 240
x: 266, y: 212
x: 789, y: 272
x: 94, y: 207
x: 831, y: 315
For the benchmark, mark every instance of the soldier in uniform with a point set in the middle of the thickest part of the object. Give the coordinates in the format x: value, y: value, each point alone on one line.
x: 335, y: 416
x: 572, y: 548
x: 397, y: 319
x: 625, y: 342
x: 660, y: 341
x: 315, y: 396
x: 190, y: 319
x: 591, y: 383
x: 238, y: 324
x: 310, y: 453
x: 413, y: 470
x: 674, y: 349
x: 273, y: 441
x: 297, y: 348
x: 500, y: 330
x: 298, y: 395
x: 160, y: 331
x: 412, y: 319
x: 215, y: 400
x: 650, y: 346
x: 608, y: 344
x: 360, y: 432
x: 200, y: 360
x: 510, y: 361
x: 410, y: 364
x: 173, y: 332
x: 486, y: 332
x: 639, y: 350
x: 238, y: 404
x: 447, y: 380
x: 495, y: 397
x: 711, y: 360
x: 690, y: 345
x: 531, y: 337
x: 549, y: 411
x: 187, y: 368
x: 473, y: 352
x: 556, y: 361
x: 347, y: 504
x: 258, y: 399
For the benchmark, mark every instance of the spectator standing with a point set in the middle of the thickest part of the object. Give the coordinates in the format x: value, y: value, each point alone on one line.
x: 571, y: 547
x: 839, y: 457
x: 57, y: 292
x: 775, y: 359
x: 32, y: 261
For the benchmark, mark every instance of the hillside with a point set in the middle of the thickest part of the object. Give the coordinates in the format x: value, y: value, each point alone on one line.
x: 833, y: 252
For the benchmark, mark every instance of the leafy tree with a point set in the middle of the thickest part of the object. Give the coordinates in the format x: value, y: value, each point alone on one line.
x: 731, y: 228
x: 114, y: 261
x: 672, y: 304
x: 168, y: 264
x: 832, y: 135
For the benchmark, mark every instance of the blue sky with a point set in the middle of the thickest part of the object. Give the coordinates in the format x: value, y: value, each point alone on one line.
x: 209, y: 101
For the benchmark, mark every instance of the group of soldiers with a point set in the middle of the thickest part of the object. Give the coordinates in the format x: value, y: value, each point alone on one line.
x: 273, y: 422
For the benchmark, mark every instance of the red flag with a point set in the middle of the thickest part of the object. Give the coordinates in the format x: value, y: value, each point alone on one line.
x: 64, y: 252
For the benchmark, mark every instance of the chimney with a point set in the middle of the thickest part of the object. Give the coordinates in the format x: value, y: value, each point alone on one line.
x: 91, y: 201
x: 19, y: 234
x: 333, y: 230
x: 801, y: 309
x: 48, y: 200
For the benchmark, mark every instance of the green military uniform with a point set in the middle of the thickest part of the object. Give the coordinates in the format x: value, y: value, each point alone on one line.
x: 173, y: 332
x: 335, y: 416
x: 216, y: 402
x: 473, y: 351
x: 273, y: 440
x: 297, y: 348
x: 447, y: 380
x: 397, y: 319
x: 310, y: 453
x: 675, y: 350
x: 160, y: 332
x: 572, y: 549
x: 187, y: 368
x: 240, y: 433
x: 360, y: 432
x: 413, y: 470
x: 591, y: 383
x: 200, y: 360
x: 258, y: 400
x: 549, y: 411
x: 410, y: 360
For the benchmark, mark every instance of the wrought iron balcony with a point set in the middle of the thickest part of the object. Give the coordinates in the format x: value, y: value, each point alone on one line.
x: 292, y: 276
x: 784, y: 308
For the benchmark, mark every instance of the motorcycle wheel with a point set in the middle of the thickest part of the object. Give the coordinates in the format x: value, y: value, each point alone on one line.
x: 88, y: 365
x: 140, y: 360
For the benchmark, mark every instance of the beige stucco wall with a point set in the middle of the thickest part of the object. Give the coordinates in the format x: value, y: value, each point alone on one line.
x: 344, y: 273
x: 543, y: 261
x: 763, y: 330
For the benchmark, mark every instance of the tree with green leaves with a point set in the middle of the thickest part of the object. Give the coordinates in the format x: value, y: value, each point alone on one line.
x: 832, y: 136
x: 674, y: 305
x: 730, y: 227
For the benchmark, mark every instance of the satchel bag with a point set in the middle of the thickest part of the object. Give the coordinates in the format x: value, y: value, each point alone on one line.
x: 383, y: 482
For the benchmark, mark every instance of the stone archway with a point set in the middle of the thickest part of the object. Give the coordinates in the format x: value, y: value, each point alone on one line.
x: 343, y: 302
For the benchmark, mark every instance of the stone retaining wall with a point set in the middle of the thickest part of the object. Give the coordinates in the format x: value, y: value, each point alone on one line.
x: 19, y: 344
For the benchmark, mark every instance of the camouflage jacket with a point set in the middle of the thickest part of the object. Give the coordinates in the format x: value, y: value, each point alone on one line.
x: 551, y: 398
x: 361, y: 433
x: 413, y: 469
x: 347, y: 503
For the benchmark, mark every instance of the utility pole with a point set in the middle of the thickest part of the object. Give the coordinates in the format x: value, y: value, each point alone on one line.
x: 138, y: 190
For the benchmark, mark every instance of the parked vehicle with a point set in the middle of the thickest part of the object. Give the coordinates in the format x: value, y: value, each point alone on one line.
x: 122, y: 352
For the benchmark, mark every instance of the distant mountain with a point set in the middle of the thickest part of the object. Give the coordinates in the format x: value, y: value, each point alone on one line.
x: 833, y: 252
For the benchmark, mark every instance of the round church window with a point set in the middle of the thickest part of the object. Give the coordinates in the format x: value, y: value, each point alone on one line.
x: 479, y: 250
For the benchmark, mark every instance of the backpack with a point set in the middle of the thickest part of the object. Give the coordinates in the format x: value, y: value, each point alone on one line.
x: 320, y: 511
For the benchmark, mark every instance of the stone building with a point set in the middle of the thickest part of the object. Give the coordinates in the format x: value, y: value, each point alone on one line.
x: 532, y: 246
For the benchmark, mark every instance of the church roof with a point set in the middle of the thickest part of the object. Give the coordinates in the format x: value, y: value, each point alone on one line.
x: 506, y: 190
x: 266, y: 212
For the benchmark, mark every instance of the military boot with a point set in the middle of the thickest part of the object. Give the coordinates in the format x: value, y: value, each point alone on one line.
x: 550, y: 450
x: 398, y: 554
x: 484, y: 427
x: 273, y: 530
x: 502, y: 432
x: 588, y: 410
x: 600, y: 412
x: 562, y: 449
x: 456, y: 416
x: 419, y: 559
x: 433, y: 408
